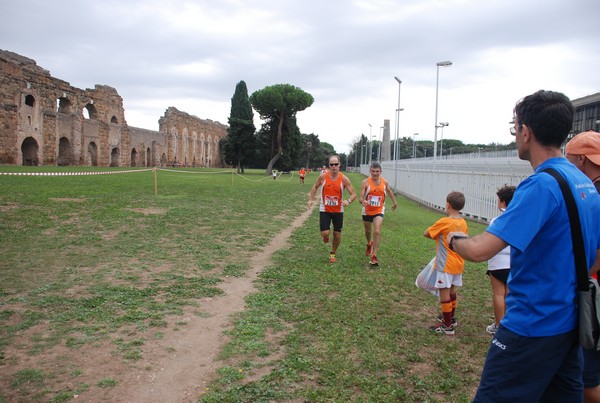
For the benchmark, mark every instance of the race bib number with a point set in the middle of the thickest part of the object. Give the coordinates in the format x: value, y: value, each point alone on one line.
x: 331, y: 201
x: 374, y: 201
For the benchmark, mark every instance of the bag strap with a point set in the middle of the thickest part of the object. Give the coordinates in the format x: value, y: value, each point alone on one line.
x: 576, y: 234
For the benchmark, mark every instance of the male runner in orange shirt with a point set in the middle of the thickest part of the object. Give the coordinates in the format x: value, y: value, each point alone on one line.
x: 372, y: 197
x: 331, y: 207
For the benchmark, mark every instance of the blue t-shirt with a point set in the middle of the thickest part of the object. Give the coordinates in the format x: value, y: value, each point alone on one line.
x: 543, y: 282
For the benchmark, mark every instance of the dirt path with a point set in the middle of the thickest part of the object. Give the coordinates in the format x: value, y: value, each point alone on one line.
x: 182, y: 364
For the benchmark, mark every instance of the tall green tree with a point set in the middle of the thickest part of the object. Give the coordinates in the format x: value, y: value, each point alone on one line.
x: 276, y: 103
x: 292, y: 143
x: 238, y: 146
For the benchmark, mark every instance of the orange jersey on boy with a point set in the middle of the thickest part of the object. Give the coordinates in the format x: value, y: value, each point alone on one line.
x: 375, y: 197
x: 446, y: 260
x: 331, y: 194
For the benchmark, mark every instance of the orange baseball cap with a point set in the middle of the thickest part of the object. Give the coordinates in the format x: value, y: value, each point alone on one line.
x: 586, y: 143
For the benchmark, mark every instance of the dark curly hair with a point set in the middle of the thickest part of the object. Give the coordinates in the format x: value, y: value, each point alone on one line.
x: 505, y: 193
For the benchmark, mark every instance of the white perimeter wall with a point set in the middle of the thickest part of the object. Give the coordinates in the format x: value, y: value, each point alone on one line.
x: 478, y: 176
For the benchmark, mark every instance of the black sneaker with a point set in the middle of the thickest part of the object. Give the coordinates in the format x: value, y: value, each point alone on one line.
x: 454, y: 322
x: 441, y: 329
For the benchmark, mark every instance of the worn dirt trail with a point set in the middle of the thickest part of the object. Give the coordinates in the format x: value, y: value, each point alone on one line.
x: 180, y: 366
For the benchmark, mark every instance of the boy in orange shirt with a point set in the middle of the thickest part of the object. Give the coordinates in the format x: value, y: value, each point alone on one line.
x: 449, y: 265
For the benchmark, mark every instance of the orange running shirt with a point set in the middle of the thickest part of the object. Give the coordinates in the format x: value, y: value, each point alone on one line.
x: 446, y: 260
x: 375, y: 196
x: 331, y: 194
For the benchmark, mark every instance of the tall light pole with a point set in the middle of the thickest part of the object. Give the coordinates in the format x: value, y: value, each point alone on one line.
x: 442, y: 125
x: 398, y: 109
x: 362, y: 147
x: 380, y: 143
x: 437, y: 82
x: 414, y: 145
x: 371, y: 144
x: 397, y: 118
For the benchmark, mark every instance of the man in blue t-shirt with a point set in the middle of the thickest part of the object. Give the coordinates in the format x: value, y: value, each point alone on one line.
x: 535, y: 354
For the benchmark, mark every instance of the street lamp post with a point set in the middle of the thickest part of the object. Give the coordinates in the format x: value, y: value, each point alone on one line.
x: 415, y: 145
x: 371, y: 144
x: 398, y: 110
x: 361, y: 150
x: 380, y: 143
x: 437, y: 82
x: 397, y: 118
x: 442, y: 125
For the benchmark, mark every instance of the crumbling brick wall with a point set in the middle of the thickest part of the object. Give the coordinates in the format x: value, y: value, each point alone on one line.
x: 46, y: 121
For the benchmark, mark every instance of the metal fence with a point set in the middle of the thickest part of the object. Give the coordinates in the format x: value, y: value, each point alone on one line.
x: 477, y: 175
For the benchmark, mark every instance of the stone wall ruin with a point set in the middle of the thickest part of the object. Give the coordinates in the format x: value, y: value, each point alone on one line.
x: 46, y: 121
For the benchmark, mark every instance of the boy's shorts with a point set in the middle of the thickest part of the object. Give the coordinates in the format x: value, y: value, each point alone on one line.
x: 445, y: 280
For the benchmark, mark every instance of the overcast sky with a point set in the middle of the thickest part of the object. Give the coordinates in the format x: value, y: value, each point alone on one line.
x: 191, y: 54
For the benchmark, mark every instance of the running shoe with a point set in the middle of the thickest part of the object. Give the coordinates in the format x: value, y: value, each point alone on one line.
x: 369, y: 248
x: 374, y: 261
x: 332, y: 258
x: 491, y: 329
x: 441, y: 329
x: 454, y: 322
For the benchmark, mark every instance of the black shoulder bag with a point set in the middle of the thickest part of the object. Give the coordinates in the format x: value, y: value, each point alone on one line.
x: 588, y: 291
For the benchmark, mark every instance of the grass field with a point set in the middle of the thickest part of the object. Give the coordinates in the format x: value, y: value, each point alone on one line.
x: 102, y: 260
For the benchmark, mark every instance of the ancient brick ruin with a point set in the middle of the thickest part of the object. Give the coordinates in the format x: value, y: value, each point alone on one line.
x: 46, y: 121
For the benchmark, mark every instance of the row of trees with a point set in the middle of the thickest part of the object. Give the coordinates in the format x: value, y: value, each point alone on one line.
x: 279, y: 143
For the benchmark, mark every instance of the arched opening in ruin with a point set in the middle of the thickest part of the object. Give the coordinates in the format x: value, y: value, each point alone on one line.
x: 154, y: 153
x: 65, y: 156
x: 148, y: 156
x: 89, y: 111
x: 163, y: 160
x: 63, y: 105
x: 30, y: 149
x: 114, y: 120
x: 134, y: 158
x: 92, y: 154
x: 114, y: 157
x: 29, y: 100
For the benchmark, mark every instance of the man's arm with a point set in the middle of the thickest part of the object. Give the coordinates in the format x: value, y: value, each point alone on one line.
x: 363, y: 189
x: 313, y: 190
x: 478, y: 248
x: 350, y: 190
x: 390, y: 193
